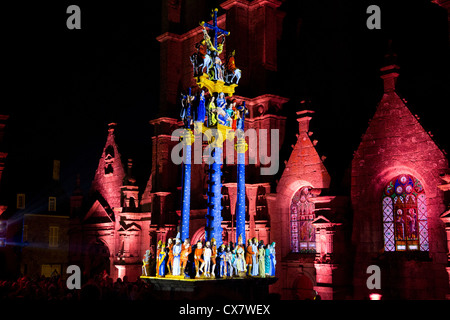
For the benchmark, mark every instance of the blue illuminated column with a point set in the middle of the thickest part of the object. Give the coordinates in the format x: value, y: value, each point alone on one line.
x: 186, y: 190
x: 240, y: 203
x: 188, y: 139
x: 214, y: 216
x: 241, y: 148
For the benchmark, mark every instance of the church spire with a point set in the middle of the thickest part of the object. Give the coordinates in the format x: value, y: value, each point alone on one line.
x: 129, y: 179
x: 304, y: 117
x: 110, y: 171
x: 389, y: 73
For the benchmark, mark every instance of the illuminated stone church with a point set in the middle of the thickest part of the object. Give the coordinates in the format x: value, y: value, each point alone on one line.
x: 394, y: 216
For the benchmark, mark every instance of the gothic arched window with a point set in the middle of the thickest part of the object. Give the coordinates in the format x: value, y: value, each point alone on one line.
x: 404, y: 215
x: 109, y: 159
x: 303, y: 235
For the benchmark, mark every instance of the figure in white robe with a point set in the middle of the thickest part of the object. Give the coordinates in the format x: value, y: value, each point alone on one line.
x: 207, y: 252
x: 255, y: 266
x: 241, y: 266
x: 176, y: 257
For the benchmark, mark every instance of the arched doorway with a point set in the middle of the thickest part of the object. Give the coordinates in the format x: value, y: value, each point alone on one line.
x: 97, y: 259
x: 303, y: 288
x: 199, y: 235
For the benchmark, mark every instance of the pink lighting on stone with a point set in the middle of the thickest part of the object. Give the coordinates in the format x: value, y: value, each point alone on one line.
x: 375, y: 296
x: 121, y: 271
x: 348, y: 228
x: 395, y: 143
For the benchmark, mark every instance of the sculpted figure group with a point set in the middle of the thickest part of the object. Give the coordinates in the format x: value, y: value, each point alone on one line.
x: 206, y: 60
x: 212, y: 110
x: 206, y: 260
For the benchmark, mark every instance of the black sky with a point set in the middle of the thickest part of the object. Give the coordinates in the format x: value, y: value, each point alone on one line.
x: 64, y: 86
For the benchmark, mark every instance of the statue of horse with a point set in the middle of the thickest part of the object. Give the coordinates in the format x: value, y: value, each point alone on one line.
x: 200, y: 64
x: 232, y: 75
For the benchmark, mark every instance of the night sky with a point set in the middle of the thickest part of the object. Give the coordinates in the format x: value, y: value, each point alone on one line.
x: 64, y: 86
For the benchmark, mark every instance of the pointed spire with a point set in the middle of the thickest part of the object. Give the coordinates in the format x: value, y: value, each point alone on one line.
x: 389, y: 73
x: 110, y: 172
x: 304, y: 117
x: 111, y: 127
x: 129, y: 179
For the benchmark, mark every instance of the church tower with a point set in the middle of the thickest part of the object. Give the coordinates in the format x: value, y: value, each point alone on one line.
x: 110, y: 232
x: 397, y: 203
x: 306, y: 222
x: 256, y: 27
x: 110, y: 171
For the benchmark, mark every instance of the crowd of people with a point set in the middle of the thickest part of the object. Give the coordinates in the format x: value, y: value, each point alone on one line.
x: 200, y: 260
x: 100, y: 287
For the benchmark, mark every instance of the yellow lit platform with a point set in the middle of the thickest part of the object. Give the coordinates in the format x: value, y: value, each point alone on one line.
x: 215, y: 86
x: 224, y: 132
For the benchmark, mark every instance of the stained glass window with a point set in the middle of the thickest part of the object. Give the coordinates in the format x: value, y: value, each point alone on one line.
x: 404, y: 215
x: 303, y: 237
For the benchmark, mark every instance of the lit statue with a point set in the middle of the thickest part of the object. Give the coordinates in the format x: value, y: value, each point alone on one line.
x: 146, y: 263
x: 176, y: 256
x: 273, y: 260
x: 241, y: 266
x: 230, y: 114
x: 234, y: 114
x: 228, y: 261
x: 223, y: 261
x: 210, y: 51
x: 185, y: 252
x: 249, y: 257
x: 186, y: 101
x: 201, y: 60
x: 200, y: 110
x: 231, y: 261
x: 241, y: 112
x: 261, y: 259
x: 255, y: 266
x: 213, y: 257
x: 158, y: 250
x: 221, y: 105
x: 267, y: 260
x: 233, y: 74
x: 169, y: 249
x: 206, y: 265
x: 212, y: 113
x: 218, y: 67
x: 161, y: 265
x: 198, y: 258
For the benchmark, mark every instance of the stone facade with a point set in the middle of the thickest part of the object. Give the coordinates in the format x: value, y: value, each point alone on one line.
x: 395, y: 143
x: 348, y: 229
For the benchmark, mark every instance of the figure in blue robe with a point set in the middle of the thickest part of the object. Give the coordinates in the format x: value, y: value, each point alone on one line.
x: 241, y: 112
x: 162, y: 261
x: 186, y: 112
x: 230, y: 114
x: 273, y: 260
x: 223, y: 261
x: 267, y: 260
x: 201, y: 108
